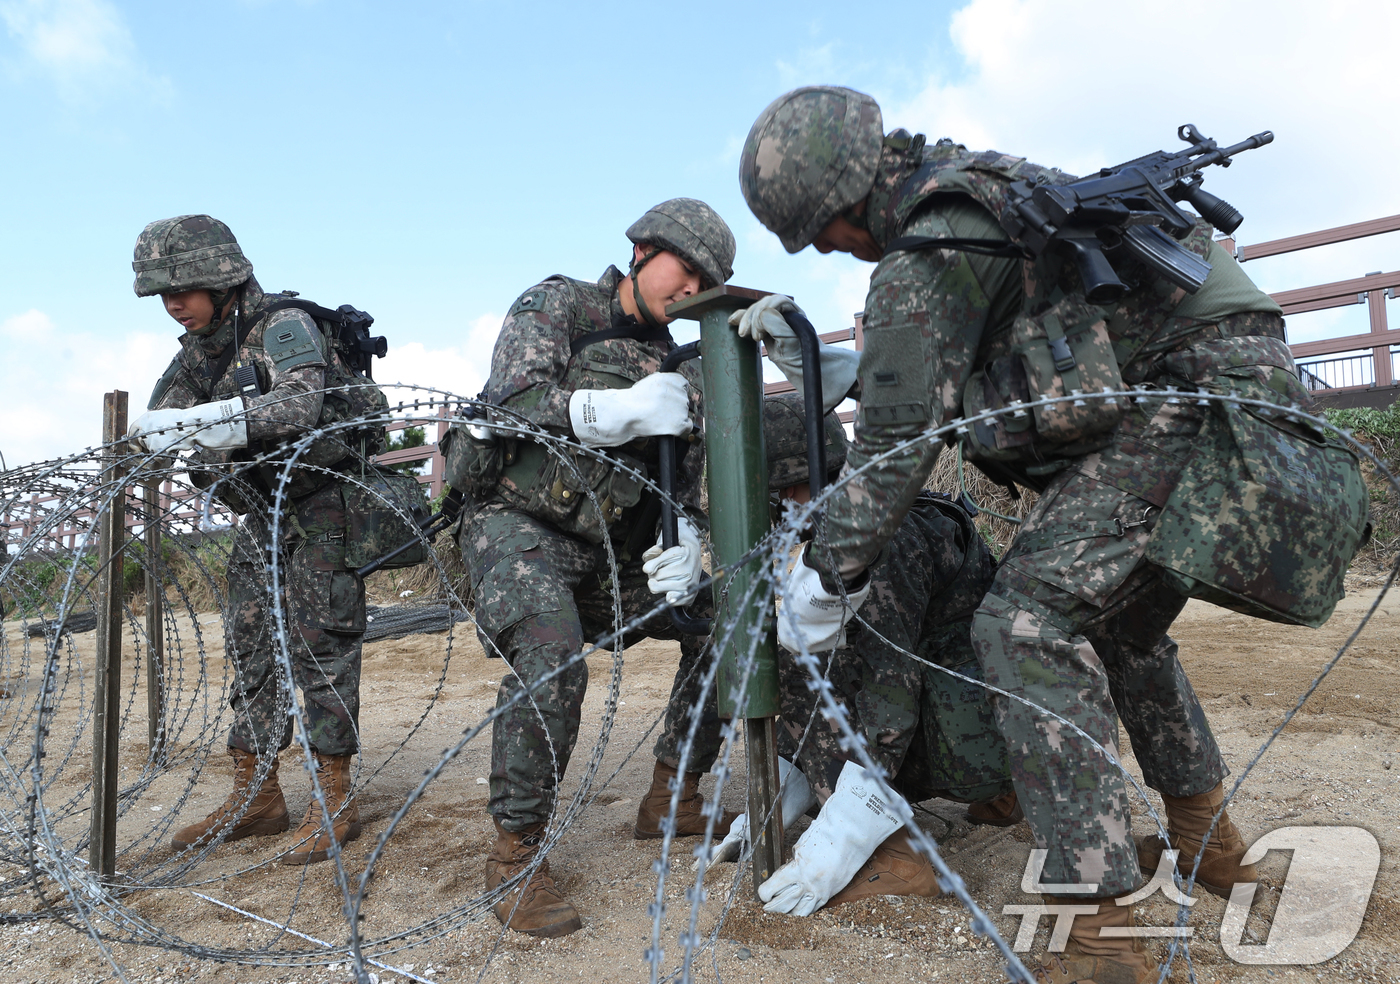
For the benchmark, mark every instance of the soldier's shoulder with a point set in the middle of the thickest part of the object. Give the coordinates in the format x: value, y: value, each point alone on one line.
x: 553, y: 294
x: 288, y: 336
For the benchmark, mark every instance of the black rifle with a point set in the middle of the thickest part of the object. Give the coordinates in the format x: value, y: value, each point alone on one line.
x: 1129, y: 211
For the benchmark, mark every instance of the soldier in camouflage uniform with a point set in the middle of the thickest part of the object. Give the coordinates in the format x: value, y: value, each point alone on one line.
x: 581, y: 360
x: 1075, y: 620
x: 248, y: 377
x: 933, y: 733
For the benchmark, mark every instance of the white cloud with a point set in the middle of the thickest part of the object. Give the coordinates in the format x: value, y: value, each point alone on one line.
x: 53, y: 405
x: 1084, y: 83
x: 459, y: 369
x: 83, y: 46
x: 31, y: 324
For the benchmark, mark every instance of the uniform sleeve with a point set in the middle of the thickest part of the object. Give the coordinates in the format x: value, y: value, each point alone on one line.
x: 295, y: 371
x: 925, y: 316
x: 531, y: 358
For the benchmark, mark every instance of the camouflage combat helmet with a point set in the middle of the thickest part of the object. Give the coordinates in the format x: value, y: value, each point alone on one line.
x: 186, y: 253
x: 693, y: 231
x: 785, y: 434
x: 811, y: 155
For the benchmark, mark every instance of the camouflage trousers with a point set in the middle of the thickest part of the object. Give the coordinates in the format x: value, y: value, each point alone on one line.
x: 934, y: 733
x: 1076, y: 624
x: 540, y: 595
x: 325, y: 618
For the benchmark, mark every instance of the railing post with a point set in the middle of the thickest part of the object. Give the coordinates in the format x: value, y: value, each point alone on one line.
x: 111, y: 532
x: 737, y: 466
x: 155, y: 622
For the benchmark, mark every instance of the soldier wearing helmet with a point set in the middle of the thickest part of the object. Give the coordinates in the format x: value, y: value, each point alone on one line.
x: 1075, y: 620
x: 248, y: 377
x: 581, y: 360
x: 932, y: 732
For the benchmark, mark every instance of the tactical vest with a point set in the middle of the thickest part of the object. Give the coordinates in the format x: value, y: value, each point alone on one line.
x: 554, y: 484
x: 1059, y: 344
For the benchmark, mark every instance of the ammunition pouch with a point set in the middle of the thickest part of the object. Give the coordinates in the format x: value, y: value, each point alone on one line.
x: 1267, y: 514
x: 554, y: 486
x: 1064, y: 352
x: 384, y: 509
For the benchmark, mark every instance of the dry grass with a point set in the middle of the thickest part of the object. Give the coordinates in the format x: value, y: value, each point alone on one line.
x: 987, y: 495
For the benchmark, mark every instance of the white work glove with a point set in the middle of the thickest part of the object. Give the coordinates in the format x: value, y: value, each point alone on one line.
x: 217, y: 426
x: 796, y: 798
x: 675, y: 572
x: 852, y: 823
x: 811, y: 614
x: 655, y: 405
x: 763, y: 321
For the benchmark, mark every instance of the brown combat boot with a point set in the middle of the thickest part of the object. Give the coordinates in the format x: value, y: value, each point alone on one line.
x: 543, y: 910
x: 656, y: 806
x: 1000, y: 811
x: 1188, y: 819
x: 333, y: 773
x: 896, y: 868
x: 1091, y: 959
x: 265, y: 814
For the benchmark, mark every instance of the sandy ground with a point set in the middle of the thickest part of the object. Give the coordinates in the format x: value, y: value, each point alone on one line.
x: 1334, y: 765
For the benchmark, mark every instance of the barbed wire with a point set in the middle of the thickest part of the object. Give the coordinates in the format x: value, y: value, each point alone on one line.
x: 49, y: 584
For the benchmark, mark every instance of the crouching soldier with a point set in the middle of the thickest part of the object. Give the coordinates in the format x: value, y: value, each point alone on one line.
x: 255, y: 370
x: 934, y: 734
x: 581, y: 360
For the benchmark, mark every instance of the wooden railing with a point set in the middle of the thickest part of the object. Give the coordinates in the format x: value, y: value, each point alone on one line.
x: 1372, y: 290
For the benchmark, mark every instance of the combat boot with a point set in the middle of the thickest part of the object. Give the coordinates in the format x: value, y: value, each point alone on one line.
x: 896, y: 868
x: 1000, y: 811
x: 1188, y: 819
x: 543, y: 910
x: 656, y: 806
x: 333, y: 773
x: 1090, y: 959
x: 265, y: 813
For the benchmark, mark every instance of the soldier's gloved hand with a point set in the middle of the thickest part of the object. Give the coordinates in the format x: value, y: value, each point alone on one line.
x: 813, y: 615
x: 655, y: 405
x: 852, y: 823
x: 763, y: 321
x: 218, y: 426
x: 677, y: 571
x: 796, y: 798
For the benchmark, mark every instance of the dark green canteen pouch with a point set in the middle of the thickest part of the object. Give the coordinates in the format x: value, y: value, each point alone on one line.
x: 471, y: 466
x: 373, y: 524
x: 1267, y: 515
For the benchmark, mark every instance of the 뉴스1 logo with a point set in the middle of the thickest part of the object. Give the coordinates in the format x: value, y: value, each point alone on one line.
x: 1319, y: 911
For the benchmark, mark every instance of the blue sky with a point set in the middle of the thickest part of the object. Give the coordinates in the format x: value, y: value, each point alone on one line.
x: 429, y: 161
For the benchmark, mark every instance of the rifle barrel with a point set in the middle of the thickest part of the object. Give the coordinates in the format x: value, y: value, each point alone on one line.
x: 1224, y: 154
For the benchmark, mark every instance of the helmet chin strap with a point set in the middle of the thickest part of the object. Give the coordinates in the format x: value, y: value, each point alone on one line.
x: 637, y: 298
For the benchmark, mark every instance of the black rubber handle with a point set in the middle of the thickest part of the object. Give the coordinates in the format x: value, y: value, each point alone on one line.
x: 811, y: 399
x: 670, y: 522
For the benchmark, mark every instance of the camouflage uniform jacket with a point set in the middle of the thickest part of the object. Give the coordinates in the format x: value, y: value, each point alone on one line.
x: 534, y: 371
x: 297, y: 372
x: 933, y: 317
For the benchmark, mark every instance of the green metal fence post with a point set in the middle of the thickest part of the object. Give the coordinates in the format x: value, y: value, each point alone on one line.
x: 737, y: 467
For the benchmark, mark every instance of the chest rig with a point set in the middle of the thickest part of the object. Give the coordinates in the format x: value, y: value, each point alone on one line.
x: 585, y: 494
